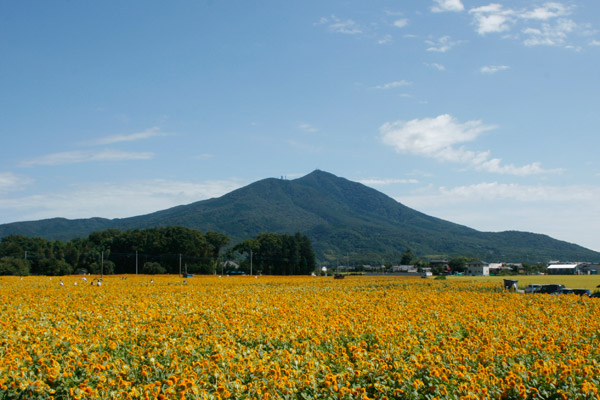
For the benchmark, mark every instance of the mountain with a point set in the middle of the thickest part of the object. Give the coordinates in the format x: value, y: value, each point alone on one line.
x: 342, y: 218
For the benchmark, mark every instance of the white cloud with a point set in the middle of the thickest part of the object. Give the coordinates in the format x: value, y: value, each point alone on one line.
x: 430, y: 136
x: 401, y: 23
x: 492, y: 69
x: 495, y: 191
x: 595, y: 43
x: 447, y: 5
x: 437, y: 66
x: 384, y: 182
x: 78, y: 156
x: 148, y: 133
x: 494, y: 166
x: 494, y: 207
x: 442, y: 45
x: 547, y: 11
x: 385, y: 39
x: 392, y: 85
x: 109, y: 200
x: 307, y: 128
x: 439, y: 137
x: 10, y: 182
x: 334, y: 24
x: 549, y: 35
x: 544, y: 25
x: 492, y: 18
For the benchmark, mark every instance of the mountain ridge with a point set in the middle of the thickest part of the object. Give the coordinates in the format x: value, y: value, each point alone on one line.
x: 341, y: 217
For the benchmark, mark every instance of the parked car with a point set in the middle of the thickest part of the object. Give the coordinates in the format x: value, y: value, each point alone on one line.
x: 595, y: 294
x: 582, y: 292
x: 563, y: 291
x: 550, y: 288
x: 578, y: 292
x: 533, y: 288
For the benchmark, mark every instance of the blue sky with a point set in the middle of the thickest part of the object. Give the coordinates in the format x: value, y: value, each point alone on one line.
x: 483, y: 113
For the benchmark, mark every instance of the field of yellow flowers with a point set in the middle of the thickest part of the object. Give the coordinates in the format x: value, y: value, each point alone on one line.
x: 292, y: 338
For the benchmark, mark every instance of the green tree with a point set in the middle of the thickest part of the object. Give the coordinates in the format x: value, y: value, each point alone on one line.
x: 277, y: 254
x: 14, y: 266
x: 407, y: 257
x: 54, y: 267
x: 458, y: 264
x: 217, y: 241
x: 153, y: 268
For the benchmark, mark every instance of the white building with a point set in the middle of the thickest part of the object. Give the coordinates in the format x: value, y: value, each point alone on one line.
x: 565, y: 269
x: 404, y: 268
x: 477, y: 268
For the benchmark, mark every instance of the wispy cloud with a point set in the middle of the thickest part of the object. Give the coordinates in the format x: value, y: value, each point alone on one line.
x: 492, y: 69
x: 496, y: 191
x: 442, y: 44
x: 549, y: 34
x: 516, y: 207
x: 392, y: 85
x: 110, y: 200
x: 401, y: 23
x: 442, y: 138
x: 545, y: 25
x: 74, y: 157
x: 492, y: 18
x: 307, y: 128
x: 548, y: 11
x: 385, y: 182
x: 11, y: 182
x: 337, y: 25
x: 148, y: 133
x: 385, y: 39
x: 447, y: 5
x: 437, y: 66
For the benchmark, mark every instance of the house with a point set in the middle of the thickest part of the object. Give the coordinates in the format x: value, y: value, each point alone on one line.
x: 565, y: 269
x: 442, y: 264
x: 477, y: 268
x: 591, y: 268
x: 404, y: 268
x: 499, y: 268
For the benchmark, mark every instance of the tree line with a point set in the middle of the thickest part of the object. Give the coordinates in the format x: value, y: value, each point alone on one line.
x: 165, y: 250
x: 276, y: 254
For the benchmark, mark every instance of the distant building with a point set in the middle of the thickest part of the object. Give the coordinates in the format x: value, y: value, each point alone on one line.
x: 440, y: 265
x: 404, y: 268
x: 498, y: 268
x: 572, y: 269
x: 477, y: 268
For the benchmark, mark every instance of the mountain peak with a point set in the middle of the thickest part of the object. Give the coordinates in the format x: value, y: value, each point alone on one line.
x: 340, y: 217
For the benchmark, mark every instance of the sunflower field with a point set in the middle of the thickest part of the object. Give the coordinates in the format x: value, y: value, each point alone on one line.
x: 143, y: 337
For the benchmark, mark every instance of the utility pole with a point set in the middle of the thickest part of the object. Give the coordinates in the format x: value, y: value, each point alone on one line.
x: 136, y: 262
x: 179, y: 264
x: 250, y: 261
x: 102, y: 265
x: 26, y: 254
